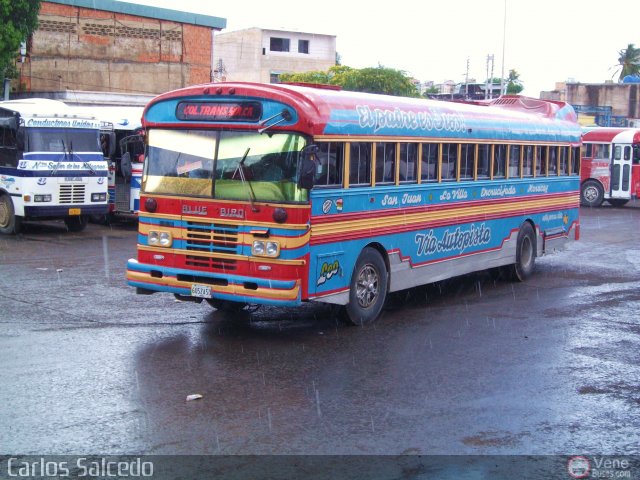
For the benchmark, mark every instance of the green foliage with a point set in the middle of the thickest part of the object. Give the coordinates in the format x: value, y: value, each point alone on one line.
x: 628, y: 61
x: 514, y: 85
x: 19, y: 18
x: 373, y: 80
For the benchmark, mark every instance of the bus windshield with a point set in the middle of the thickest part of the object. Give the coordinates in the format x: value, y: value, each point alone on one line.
x: 62, y: 140
x: 228, y: 165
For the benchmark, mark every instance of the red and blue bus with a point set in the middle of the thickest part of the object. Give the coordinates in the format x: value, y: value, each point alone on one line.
x: 284, y: 194
x: 610, y: 166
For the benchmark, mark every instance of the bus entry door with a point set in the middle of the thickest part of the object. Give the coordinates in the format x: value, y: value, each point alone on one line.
x: 621, y: 171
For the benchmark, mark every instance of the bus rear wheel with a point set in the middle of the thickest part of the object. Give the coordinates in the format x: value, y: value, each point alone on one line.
x: 77, y: 223
x: 9, y: 223
x: 525, y: 253
x: 368, y: 290
x: 591, y: 194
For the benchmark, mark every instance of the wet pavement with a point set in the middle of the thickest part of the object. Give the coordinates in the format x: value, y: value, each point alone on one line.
x: 475, y: 365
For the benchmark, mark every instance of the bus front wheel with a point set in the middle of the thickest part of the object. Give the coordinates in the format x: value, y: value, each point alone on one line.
x: 368, y: 289
x: 591, y: 194
x: 525, y: 253
x: 9, y: 222
x: 76, y: 223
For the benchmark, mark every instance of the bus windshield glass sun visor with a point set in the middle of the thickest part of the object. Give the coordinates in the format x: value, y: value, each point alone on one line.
x: 236, y: 165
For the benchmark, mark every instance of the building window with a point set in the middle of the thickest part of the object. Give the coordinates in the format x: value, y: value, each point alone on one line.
x: 279, y: 44
x: 303, y: 46
x: 274, y: 78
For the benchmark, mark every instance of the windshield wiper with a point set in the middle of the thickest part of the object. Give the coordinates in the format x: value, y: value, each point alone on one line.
x: 245, y: 182
x: 88, y: 165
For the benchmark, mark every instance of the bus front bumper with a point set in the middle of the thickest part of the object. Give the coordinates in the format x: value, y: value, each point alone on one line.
x: 235, y: 288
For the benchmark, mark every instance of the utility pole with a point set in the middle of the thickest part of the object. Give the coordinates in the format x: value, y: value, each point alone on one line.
x: 489, y: 83
x: 466, y: 82
x: 504, y: 36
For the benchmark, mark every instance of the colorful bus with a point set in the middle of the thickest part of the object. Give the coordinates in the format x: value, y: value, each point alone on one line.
x: 610, y: 166
x: 51, y: 165
x: 283, y: 194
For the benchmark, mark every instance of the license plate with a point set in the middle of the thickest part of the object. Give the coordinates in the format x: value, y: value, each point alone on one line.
x: 74, y: 211
x: 201, y: 291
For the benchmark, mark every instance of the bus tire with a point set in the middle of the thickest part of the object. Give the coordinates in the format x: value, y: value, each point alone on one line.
x: 525, y: 253
x: 591, y: 194
x: 618, y: 202
x: 9, y: 223
x: 77, y: 223
x: 226, y: 305
x: 368, y: 289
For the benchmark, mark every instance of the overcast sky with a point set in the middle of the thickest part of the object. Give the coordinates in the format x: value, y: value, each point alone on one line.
x: 546, y: 41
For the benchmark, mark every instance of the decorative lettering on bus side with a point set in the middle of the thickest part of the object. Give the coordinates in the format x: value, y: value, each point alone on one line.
x: 378, y: 119
x: 327, y: 271
x: 457, y: 240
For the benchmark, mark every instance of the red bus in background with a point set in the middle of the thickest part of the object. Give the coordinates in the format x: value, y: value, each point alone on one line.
x: 610, y: 167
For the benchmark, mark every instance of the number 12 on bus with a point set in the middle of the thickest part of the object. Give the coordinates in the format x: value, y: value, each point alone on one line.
x: 284, y: 194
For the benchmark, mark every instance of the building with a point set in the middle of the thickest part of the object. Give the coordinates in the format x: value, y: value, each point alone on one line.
x: 603, y: 104
x: 261, y: 55
x: 116, y: 47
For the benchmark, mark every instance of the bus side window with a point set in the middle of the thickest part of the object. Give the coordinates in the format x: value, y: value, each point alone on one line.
x: 467, y: 159
x: 484, y: 161
x: 587, y: 150
x: 8, y: 147
x: 429, y: 162
x: 564, y: 160
x: 331, y: 158
x: 449, y: 161
x: 360, y: 165
x: 499, y: 161
x: 636, y: 154
x: 527, y: 161
x: 553, y: 161
x: 575, y: 161
x: 385, y: 163
x: 627, y: 153
x: 408, y: 162
x: 514, y: 161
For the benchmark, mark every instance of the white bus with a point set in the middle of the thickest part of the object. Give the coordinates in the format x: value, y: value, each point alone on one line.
x: 125, y: 154
x: 51, y: 165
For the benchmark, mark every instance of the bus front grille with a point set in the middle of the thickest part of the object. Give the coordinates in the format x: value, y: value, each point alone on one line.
x: 211, y: 238
x: 209, y: 263
x: 72, y: 193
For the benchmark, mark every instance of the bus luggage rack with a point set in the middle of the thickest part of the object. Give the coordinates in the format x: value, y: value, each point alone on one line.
x: 72, y: 193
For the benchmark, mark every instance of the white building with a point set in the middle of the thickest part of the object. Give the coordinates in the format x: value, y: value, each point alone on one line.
x: 261, y: 55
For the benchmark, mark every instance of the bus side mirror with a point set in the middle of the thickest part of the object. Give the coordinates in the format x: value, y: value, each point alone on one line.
x: 307, y: 167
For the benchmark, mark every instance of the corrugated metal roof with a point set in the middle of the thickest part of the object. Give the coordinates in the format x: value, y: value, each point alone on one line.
x: 148, y: 12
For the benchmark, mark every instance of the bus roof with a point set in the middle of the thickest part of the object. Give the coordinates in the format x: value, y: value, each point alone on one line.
x: 43, y: 107
x: 327, y: 111
x: 122, y: 118
x: 612, y: 135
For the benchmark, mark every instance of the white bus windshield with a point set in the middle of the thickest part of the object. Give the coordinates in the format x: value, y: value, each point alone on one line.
x: 62, y: 140
x: 224, y: 165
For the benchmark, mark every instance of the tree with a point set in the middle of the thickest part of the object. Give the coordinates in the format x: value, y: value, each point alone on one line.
x: 373, y: 80
x: 514, y: 85
x: 19, y: 19
x: 628, y: 61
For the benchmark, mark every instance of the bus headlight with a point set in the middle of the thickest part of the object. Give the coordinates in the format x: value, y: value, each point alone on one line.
x: 159, y: 238
x: 42, y: 198
x: 99, y: 197
x: 263, y: 248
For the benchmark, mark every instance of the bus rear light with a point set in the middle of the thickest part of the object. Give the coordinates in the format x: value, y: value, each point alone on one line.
x: 159, y: 238
x: 151, y: 205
